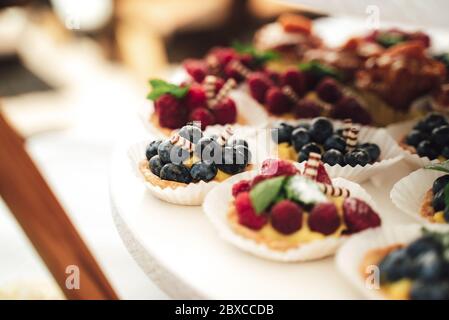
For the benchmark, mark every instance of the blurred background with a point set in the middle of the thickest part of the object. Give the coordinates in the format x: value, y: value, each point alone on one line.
x: 72, y: 75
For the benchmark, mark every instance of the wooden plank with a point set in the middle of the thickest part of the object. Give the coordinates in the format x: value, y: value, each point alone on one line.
x: 45, y: 222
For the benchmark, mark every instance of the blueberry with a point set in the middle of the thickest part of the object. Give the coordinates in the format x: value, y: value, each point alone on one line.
x: 151, y: 150
x: 438, y: 201
x: 300, y: 137
x: 434, y: 120
x: 303, y: 125
x: 155, y: 164
x: 242, y: 150
x: 203, y: 171
x: 307, y: 149
x: 357, y: 157
x: 423, y: 245
x: 333, y: 157
x: 445, y: 152
x: 427, y: 149
x: 282, y: 133
x: 164, y: 150
x: 440, y: 183
x: 422, y: 127
x: 415, y: 137
x: 335, y: 142
x: 191, y: 133
x: 175, y: 172
x: 446, y: 214
x: 428, y: 266
x: 429, y: 290
x: 237, y: 142
x: 440, y: 136
x: 372, y: 149
x: 340, y: 132
x: 233, y: 160
x: 395, y: 266
x: 321, y: 129
x: 208, y: 149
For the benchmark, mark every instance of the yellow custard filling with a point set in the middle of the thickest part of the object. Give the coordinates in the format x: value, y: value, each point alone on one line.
x: 399, y: 290
x: 286, y: 152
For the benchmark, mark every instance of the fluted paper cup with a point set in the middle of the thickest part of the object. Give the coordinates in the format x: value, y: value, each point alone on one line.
x: 216, y: 207
x: 191, y: 194
x: 390, y: 153
x: 409, y: 192
x: 350, y: 256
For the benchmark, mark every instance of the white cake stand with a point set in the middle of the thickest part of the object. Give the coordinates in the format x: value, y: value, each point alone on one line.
x: 180, y: 251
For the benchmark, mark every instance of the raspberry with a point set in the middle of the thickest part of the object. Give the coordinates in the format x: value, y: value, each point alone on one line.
x: 241, y: 186
x: 329, y: 91
x: 195, y: 98
x: 286, y: 217
x: 349, y: 107
x: 295, y: 79
x: 273, y: 75
x: 246, y: 214
x: 324, y: 218
x: 223, y: 55
x: 171, y: 113
x: 225, y: 111
x: 277, y: 102
x: 306, y: 108
x: 358, y: 215
x: 219, y: 84
x: 202, y: 115
x: 322, y: 175
x: 258, y: 84
x: 196, y: 68
x: 276, y: 167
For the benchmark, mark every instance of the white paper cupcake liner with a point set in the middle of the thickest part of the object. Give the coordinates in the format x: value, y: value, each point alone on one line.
x: 216, y: 207
x: 350, y: 256
x: 390, y: 153
x: 247, y: 109
x: 408, y: 193
x: 398, y: 131
x: 192, y: 194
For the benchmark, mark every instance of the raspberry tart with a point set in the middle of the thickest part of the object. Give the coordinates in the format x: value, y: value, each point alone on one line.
x: 282, y: 214
x: 184, y: 167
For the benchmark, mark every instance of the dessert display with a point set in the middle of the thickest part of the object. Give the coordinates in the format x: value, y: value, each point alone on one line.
x: 184, y: 167
x: 337, y: 146
x: 429, y: 138
x: 285, y: 210
x: 415, y: 270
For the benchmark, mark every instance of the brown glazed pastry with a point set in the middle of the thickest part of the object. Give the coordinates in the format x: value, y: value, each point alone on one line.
x: 401, y: 74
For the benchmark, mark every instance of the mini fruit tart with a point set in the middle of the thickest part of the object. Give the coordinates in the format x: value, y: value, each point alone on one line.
x: 183, y: 168
x: 402, y: 263
x: 423, y: 141
x: 349, y: 151
x: 208, y: 103
x: 424, y: 194
x: 283, y: 215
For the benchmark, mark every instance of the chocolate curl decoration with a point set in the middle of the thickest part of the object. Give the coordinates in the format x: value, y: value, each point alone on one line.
x: 311, y: 170
x: 347, y: 127
x: 224, y: 91
x: 240, y: 68
x: 181, y: 142
x: 331, y: 191
x: 225, y: 135
x: 351, y: 140
x: 288, y: 91
x: 209, y: 86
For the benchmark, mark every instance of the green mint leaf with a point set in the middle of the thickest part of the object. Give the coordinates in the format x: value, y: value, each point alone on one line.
x: 160, y: 87
x: 320, y: 70
x: 304, y: 190
x: 446, y: 195
x: 265, y: 192
x: 261, y: 57
x: 388, y: 39
x: 444, y: 167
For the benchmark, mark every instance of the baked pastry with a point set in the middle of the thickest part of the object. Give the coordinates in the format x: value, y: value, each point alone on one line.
x: 337, y: 146
x: 435, y: 205
x: 206, y: 103
x: 415, y: 271
x: 190, y: 157
x: 284, y: 209
x: 429, y: 138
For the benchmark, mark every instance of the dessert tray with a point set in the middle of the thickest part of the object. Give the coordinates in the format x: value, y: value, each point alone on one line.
x: 185, y: 248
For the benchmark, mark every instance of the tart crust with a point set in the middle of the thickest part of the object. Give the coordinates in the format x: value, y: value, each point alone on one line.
x: 426, y: 209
